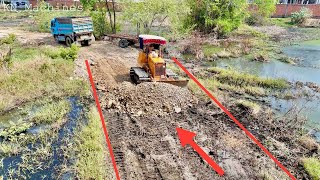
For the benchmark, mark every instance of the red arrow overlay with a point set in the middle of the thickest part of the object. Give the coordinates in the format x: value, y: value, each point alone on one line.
x: 186, y: 137
x: 254, y: 139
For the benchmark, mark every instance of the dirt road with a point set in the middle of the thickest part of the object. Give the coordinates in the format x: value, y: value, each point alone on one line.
x: 141, y: 121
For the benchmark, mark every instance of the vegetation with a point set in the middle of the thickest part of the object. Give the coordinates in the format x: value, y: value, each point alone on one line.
x: 301, y: 16
x: 221, y: 17
x: 209, y: 50
x: 282, y: 22
x: 90, y: 149
x: 51, y: 112
x: 44, y: 71
x: 147, y: 13
x: 243, y: 79
x: 262, y: 10
x: 10, y: 39
x: 251, y: 106
x: 312, y: 167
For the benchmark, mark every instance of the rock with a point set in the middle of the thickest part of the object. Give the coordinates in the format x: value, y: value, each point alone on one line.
x: 312, y: 85
x: 139, y: 113
x: 234, y: 169
x: 111, y: 104
x: 299, y: 84
x: 177, y: 109
x: 92, y: 63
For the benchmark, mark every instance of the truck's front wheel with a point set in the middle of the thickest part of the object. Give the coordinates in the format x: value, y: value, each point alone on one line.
x: 69, y: 41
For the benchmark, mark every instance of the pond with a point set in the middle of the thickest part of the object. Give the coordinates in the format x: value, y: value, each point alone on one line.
x: 307, y: 70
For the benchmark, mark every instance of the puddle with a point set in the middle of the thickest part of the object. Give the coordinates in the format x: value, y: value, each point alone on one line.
x: 65, y: 134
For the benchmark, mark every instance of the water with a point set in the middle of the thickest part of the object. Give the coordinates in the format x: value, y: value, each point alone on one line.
x: 307, y: 70
x: 65, y: 133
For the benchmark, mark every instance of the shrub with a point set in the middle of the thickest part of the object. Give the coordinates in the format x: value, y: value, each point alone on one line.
x: 301, y: 16
x: 220, y: 17
x: 70, y: 53
x: 10, y: 39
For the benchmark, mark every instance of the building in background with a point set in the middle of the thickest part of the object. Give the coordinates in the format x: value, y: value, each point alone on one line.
x: 286, y: 7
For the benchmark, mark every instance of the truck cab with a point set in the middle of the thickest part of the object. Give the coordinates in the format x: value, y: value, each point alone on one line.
x: 73, y: 30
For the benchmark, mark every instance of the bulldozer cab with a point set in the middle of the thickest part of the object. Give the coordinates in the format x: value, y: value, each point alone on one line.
x: 151, y: 56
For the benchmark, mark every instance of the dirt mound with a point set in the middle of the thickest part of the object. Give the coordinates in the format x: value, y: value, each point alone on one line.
x: 150, y: 98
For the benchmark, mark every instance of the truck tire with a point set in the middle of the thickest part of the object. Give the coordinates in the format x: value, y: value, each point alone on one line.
x: 69, y: 41
x: 56, y: 39
x: 123, y: 43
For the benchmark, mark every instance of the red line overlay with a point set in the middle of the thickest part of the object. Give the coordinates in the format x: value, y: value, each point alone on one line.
x: 234, y: 119
x: 102, y: 121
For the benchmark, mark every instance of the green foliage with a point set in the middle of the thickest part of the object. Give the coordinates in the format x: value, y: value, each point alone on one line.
x: 32, y: 78
x: 10, y: 39
x: 70, y: 53
x: 51, y: 112
x: 312, y: 167
x: 282, y: 22
x: 209, y: 50
x: 221, y: 16
x: 244, y: 79
x: 88, y: 5
x: 301, y: 16
x: 100, y: 24
x: 262, y: 9
x: 148, y: 12
x: 91, y: 162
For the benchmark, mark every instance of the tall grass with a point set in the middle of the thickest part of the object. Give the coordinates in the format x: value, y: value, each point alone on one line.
x: 91, y: 148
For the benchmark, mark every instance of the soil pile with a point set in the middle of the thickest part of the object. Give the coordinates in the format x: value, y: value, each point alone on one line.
x: 150, y: 98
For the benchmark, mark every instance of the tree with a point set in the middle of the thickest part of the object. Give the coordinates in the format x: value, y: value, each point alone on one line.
x: 262, y: 9
x: 220, y: 16
x: 150, y: 12
x: 98, y: 11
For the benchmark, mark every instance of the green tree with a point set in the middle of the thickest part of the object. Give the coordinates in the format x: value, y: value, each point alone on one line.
x: 149, y: 12
x: 220, y: 16
x: 262, y: 9
x: 98, y: 11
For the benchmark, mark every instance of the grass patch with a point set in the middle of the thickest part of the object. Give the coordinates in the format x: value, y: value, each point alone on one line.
x: 312, y: 42
x: 251, y: 106
x: 52, y: 112
x: 247, y: 31
x: 282, y: 22
x: 90, y: 148
x: 312, y: 167
x: 38, y: 71
x: 244, y: 79
x: 175, y: 68
x: 210, y: 50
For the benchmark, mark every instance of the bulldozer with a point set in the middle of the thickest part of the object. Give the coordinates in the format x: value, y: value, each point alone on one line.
x: 152, y: 66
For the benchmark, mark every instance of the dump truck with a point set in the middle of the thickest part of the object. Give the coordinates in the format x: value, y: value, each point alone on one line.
x: 73, y: 30
x: 152, y: 66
